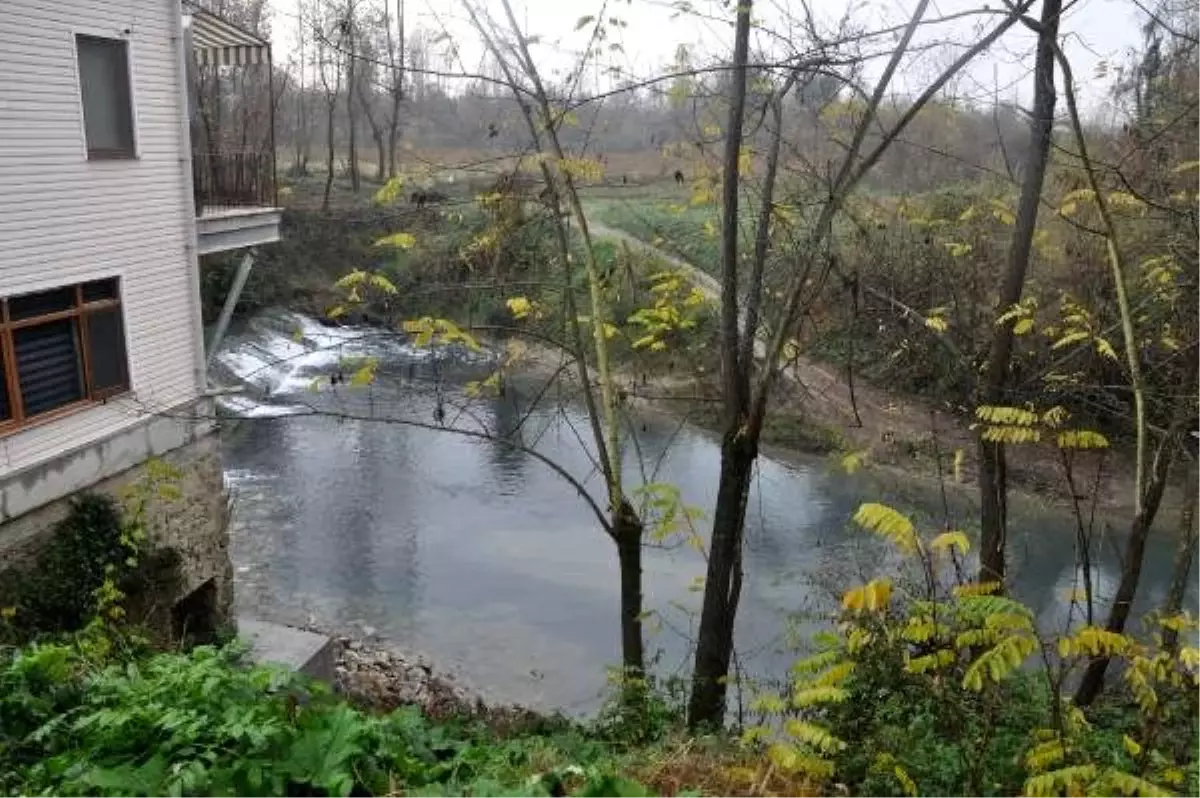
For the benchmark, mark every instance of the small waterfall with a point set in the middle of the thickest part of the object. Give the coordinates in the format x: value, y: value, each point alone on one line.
x: 280, y: 355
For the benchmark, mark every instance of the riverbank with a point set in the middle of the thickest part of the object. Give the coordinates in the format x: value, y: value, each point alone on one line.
x: 902, y: 439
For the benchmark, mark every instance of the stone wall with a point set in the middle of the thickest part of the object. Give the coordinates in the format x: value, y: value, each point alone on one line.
x: 192, y: 521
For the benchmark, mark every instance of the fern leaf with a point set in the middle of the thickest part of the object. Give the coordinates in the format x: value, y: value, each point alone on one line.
x: 812, y: 696
x: 999, y: 661
x: 1116, y: 782
x: 884, y: 521
x: 951, y: 540
x: 1064, y: 781
x: 816, y: 737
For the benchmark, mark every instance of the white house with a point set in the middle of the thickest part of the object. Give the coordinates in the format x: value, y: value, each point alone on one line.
x: 101, y: 345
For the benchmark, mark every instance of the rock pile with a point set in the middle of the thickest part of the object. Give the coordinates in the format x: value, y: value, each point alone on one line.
x: 383, y: 679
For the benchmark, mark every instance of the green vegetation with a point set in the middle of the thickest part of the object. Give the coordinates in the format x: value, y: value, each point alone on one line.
x: 688, y: 231
x: 205, y: 723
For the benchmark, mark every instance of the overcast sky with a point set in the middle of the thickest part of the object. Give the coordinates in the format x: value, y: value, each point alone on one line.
x: 1093, y: 31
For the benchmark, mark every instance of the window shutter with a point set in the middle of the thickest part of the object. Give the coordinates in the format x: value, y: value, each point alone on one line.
x: 106, y: 340
x: 48, y: 366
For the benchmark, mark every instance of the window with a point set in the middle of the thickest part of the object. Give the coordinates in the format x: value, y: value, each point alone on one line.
x: 60, y: 348
x: 104, y: 86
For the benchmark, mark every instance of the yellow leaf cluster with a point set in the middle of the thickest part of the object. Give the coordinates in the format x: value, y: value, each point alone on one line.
x: 390, y: 191
x: 871, y: 597
x: 397, y: 240
x: 1081, y: 439
x: 949, y: 541
x: 999, y: 661
x: 886, y: 522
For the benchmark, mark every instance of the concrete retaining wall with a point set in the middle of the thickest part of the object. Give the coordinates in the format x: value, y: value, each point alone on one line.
x: 194, y: 522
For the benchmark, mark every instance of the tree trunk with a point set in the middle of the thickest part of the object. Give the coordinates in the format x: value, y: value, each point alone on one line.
x: 1131, y: 570
x: 993, y: 483
x: 722, y: 587
x: 392, y: 140
x: 381, y: 166
x: 1092, y: 683
x: 1184, y: 554
x: 329, y: 154
x: 351, y: 116
x: 627, y: 530
x: 723, y: 583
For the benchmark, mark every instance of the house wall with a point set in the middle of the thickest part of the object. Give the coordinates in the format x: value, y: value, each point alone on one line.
x: 65, y: 219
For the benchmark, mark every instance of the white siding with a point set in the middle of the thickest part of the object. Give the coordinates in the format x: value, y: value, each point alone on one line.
x: 64, y: 219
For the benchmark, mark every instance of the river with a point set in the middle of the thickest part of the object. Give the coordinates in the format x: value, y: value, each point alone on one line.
x: 488, y: 562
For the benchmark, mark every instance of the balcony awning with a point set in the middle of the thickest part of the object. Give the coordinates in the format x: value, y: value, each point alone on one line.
x: 217, y: 42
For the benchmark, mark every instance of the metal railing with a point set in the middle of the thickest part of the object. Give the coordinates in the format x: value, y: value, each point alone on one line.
x: 233, y: 180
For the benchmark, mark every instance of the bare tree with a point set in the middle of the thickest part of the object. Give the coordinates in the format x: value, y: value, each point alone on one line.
x: 993, y: 481
x: 747, y: 390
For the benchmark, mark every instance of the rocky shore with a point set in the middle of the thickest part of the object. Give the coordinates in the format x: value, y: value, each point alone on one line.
x: 374, y: 676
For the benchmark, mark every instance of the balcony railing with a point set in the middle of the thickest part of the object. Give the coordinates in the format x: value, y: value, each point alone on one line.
x: 224, y: 180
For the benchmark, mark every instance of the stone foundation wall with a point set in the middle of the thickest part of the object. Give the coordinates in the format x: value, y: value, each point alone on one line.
x: 194, y: 523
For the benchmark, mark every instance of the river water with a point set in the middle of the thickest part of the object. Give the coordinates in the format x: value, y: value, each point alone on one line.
x: 488, y: 562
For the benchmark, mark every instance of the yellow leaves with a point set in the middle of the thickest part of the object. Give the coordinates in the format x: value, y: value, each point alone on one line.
x: 1070, y: 338
x: 834, y: 675
x: 390, y: 191
x: 397, y: 240
x: 937, y: 323
x: 871, y: 597
x: 1105, y: 349
x: 942, y: 658
x: 1055, y: 416
x: 710, y: 229
x: 1116, y: 782
x: 519, y: 306
x: 1093, y: 641
x: 355, y: 281
x: 814, y: 736
x: 957, y: 249
x: 1186, y: 166
x: 745, y: 160
x: 427, y: 330
x: 703, y: 193
x: 364, y: 374
x: 969, y: 589
x: 768, y: 704
x: 1045, y: 755
x: 999, y: 661
x: 789, y: 759
x: 1064, y: 781
x: 1009, y: 425
x: 909, y: 786
x: 970, y: 213
x: 1023, y: 327
x: 886, y: 522
x: 1002, y: 213
x: 1132, y: 746
x: 1081, y: 439
x: 582, y: 168
x: 1122, y: 201
x: 813, y: 696
x: 853, y: 461
x: 1069, y: 204
x: 948, y: 541
x: 919, y: 629
x: 1011, y: 435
